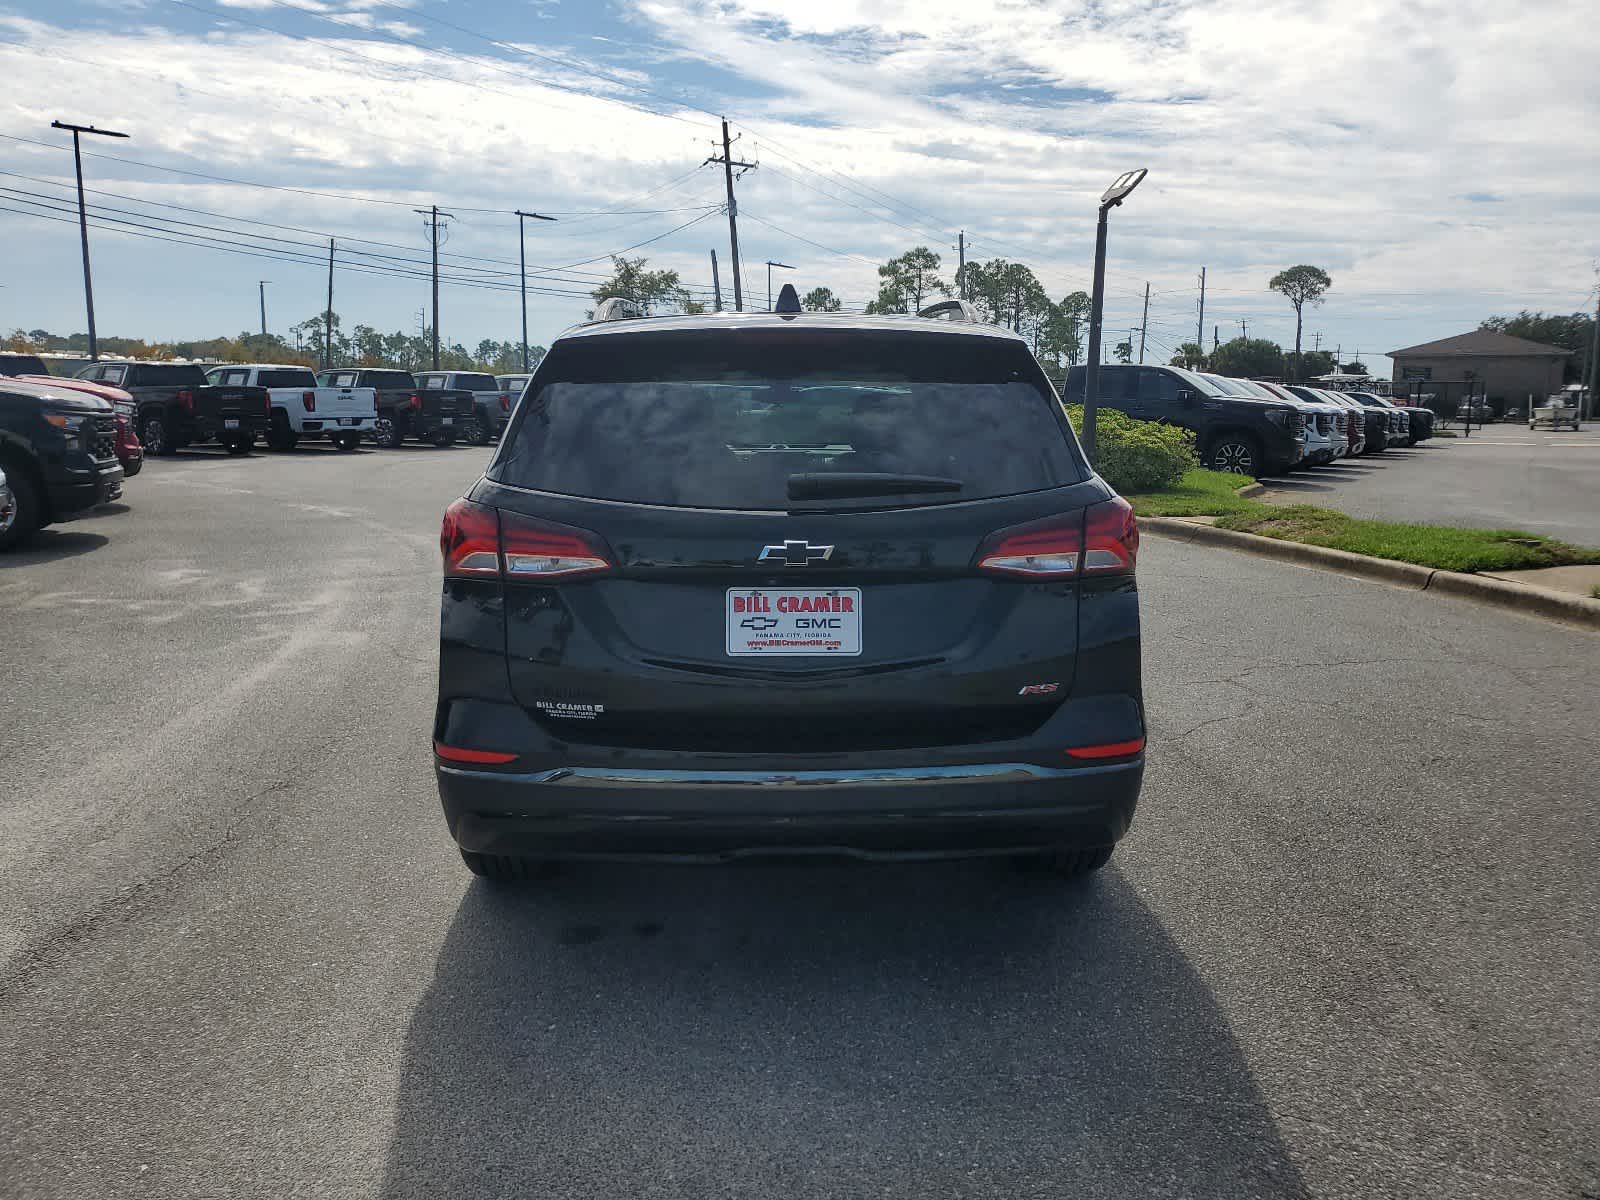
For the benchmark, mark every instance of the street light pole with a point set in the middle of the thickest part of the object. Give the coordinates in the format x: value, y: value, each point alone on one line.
x: 770, y: 265
x: 522, y: 258
x: 262, y: 285
x: 83, y: 220
x: 1114, y: 195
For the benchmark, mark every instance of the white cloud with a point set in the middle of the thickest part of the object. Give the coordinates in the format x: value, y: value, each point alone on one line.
x: 1276, y: 132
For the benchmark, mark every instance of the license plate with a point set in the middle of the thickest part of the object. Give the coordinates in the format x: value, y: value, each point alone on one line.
x: 447, y: 420
x: 776, y: 622
x: 348, y: 420
x: 230, y: 422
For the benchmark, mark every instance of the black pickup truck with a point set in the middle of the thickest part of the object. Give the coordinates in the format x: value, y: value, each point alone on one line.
x: 1249, y: 437
x: 58, y: 453
x: 177, y: 407
x: 404, y: 409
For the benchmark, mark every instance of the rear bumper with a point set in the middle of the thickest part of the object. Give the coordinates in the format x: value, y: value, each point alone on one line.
x: 714, y: 815
x: 336, y: 424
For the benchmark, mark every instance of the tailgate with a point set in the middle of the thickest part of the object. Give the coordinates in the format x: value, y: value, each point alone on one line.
x: 231, y: 402
x: 891, y: 642
x: 346, y: 402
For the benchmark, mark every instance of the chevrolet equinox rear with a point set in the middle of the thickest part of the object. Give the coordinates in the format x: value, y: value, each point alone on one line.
x: 757, y: 584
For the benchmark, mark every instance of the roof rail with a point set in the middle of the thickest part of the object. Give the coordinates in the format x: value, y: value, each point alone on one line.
x: 952, y: 310
x: 617, y: 308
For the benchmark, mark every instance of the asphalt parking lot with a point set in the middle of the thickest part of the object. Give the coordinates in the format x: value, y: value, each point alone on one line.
x: 1348, y: 950
x: 1503, y: 476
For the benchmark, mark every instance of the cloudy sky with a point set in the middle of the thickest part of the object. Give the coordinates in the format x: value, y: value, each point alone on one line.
x: 1439, y: 160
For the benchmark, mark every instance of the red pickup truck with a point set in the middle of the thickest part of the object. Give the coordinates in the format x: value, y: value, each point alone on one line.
x: 31, y: 369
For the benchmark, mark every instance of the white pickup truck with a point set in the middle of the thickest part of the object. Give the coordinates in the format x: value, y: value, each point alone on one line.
x: 301, y: 408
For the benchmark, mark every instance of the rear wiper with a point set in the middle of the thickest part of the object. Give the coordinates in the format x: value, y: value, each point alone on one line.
x: 829, y: 485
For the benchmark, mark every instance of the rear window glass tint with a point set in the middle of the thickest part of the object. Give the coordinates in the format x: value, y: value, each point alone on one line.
x: 388, y: 379
x: 477, y: 383
x: 286, y: 378
x: 723, y: 422
x: 165, y: 375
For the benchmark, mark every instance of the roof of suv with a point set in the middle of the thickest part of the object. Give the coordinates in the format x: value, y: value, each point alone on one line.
x: 729, y: 322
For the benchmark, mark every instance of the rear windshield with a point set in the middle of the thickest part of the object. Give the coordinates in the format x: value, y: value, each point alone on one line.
x: 287, y: 377
x: 719, y: 422
x: 21, y: 364
x: 167, y: 375
x: 477, y: 383
x: 388, y: 379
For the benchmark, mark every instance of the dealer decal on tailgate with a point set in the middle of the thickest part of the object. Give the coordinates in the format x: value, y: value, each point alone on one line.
x: 762, y: 622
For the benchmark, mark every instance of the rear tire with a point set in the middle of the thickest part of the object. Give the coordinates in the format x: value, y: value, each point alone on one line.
x: 388, y: 433
x: 1076, y: 863
x: 504, y: 868
x: 281, y: 436
x: 27, y: 506
x: 1235, y: 453
x: 479, y: 433
x: 153, y: 433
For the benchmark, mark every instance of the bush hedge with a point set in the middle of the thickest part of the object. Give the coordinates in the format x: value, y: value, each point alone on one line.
x: 1138, y: 456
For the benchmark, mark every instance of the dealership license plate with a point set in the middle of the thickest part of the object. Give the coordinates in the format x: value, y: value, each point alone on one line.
x: 774, y: 622
x: 348, y: 420
x: 230, y: 422
x: 448, y: 421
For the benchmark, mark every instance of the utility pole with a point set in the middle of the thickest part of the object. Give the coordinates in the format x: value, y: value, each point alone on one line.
x: 961, y: 265
x: 522, y: 259
x: 770, y: 265
x: 716, y: 283
x: 1244, y: 329
x: 1200, y: 329
x: 1144, y: 323
x: 728, y: 164
x: 83, y: 220
x: 433, y: 214
x: 327, y: 317
x: 263, y: 286
x: 1316, y: 343
x: 1216, y: 338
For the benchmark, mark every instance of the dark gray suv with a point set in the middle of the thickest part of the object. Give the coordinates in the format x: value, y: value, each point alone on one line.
x: 750, y: 584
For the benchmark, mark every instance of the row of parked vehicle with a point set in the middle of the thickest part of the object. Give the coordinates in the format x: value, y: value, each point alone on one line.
x: 70, y: 443
x: 1257, y: 428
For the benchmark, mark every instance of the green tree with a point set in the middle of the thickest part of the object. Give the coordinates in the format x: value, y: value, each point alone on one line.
x: 1124, y: 351
x: 1316, y: 362
x: 310, y: 341
x: 1245, y: 358
x: 1191, y: 355
x: 1356, y: 367
x: 905, y: 282
x: 632, y: 280
x: 1574, y: 333
x: 820, y: 299
x: 1302, y: 285
x: 1060, y: 343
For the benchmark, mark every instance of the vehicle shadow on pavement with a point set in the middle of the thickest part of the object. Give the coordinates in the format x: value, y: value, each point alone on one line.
x: 48, y: 545
x: 823, y: 1030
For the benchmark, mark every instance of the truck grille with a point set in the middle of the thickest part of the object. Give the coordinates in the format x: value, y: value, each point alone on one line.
x: 103, y: 438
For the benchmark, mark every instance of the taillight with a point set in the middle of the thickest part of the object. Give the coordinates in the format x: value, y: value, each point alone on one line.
x: 416, y: 401
x: 186, y: 399
x: 479, y: 542
x: 505, y: 403
x: 469, y: 539
x: 309, y: 399
x: 1110, y: 538
x: 535, y: 549
x: 1102, y: 539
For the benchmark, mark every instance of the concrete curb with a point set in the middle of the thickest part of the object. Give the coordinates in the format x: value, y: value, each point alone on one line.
x: 1520, y: 597
x: 1250, y: 489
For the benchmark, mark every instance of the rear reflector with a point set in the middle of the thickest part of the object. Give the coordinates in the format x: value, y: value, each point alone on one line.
x: 479, y: 542
x: 460, y: 754
x: 1107, y: 749
x: 1102, y: 539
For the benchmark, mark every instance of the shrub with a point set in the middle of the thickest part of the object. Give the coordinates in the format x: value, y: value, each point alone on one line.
x: 1138, y: 456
